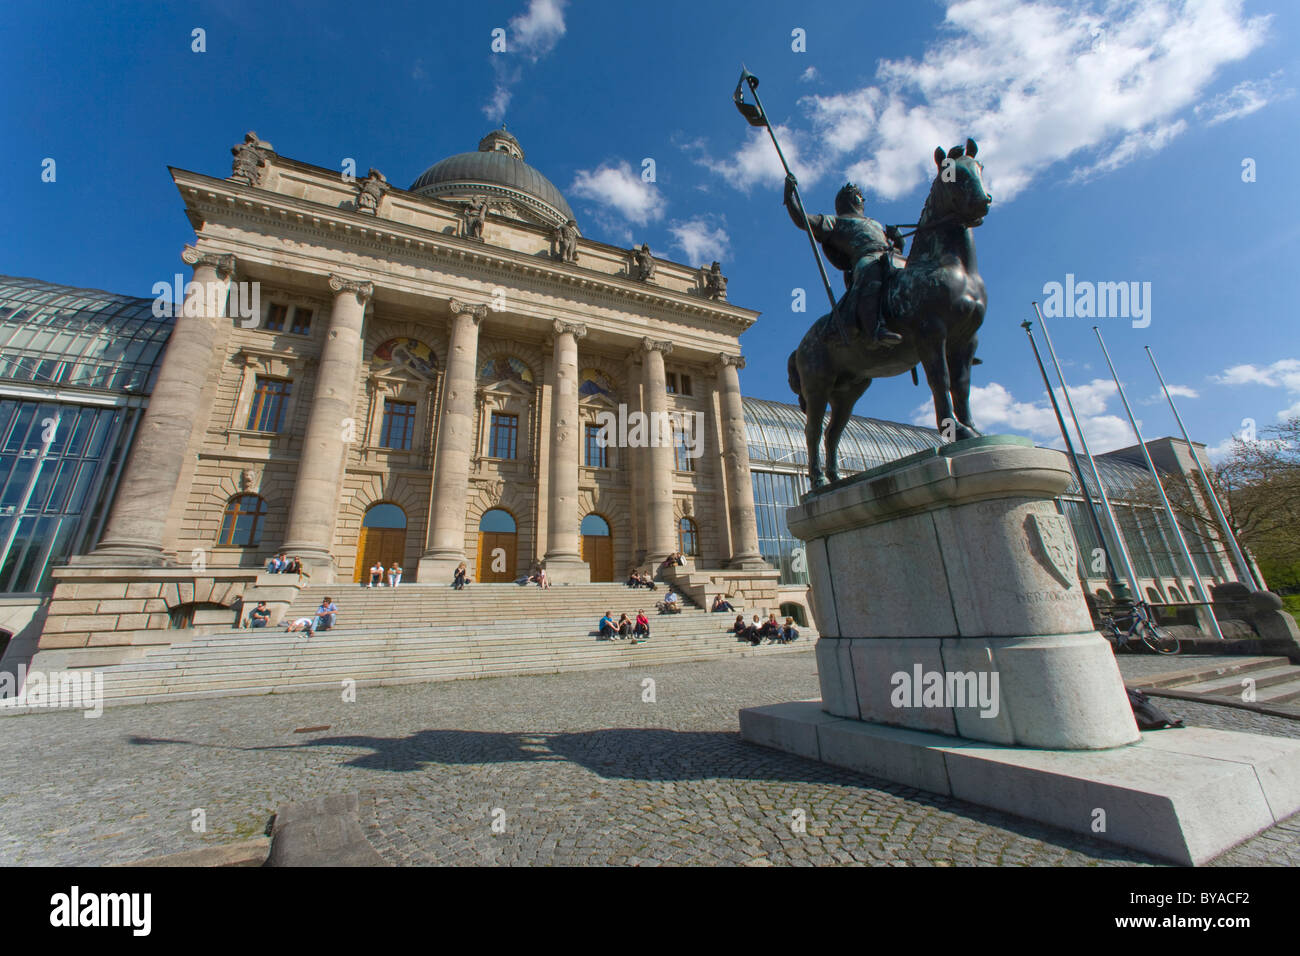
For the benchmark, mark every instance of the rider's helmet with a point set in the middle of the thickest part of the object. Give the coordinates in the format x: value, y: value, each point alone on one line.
x: 848, y: 199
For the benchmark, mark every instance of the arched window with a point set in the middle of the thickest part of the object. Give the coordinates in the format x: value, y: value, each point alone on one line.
x: 1175, y: 595
x: 384, y: 515
x: 497, y: 521
x: 1153, y: 596
x: 595, y: 526
x: 796, y: 611
x: 687, y: 538
x: 242, y: 524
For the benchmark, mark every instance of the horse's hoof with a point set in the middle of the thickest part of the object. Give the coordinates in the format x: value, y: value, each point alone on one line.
x: 963, y: 433
x: 817, y: 480
x: 832, y: 476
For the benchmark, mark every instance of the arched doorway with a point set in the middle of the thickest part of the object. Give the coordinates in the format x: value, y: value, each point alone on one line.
x: 497, y: 540
x: 598, y: 547
x: 383, y: 539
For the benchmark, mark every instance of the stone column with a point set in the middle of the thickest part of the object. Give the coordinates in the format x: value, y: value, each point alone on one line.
x: 446, y: 542
x: 134, y: 534
x: 661, y: 535
x: 735, y: 455
x: 564, y: 565
x: 318, y: 490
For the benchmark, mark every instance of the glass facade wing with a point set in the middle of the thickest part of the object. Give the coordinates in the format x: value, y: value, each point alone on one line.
x: 55, y: 335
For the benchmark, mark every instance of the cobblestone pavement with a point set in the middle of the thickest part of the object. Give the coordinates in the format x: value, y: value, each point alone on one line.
x: 574, y: 768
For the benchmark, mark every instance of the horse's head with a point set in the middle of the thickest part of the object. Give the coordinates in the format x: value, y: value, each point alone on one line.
x: 958, y: 189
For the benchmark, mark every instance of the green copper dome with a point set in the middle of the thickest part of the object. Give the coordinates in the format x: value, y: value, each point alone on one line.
x: 496, y: 170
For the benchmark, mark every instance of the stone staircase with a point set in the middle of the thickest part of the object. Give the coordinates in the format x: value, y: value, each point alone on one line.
x: 1276, y: 683
x: 420, y: 633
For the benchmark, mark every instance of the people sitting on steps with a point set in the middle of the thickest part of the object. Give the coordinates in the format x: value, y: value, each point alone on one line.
x: 377, y: 575
x: 738, y: 628
x: 394, y: 575
x: 753, y: 632
x: 642, y: 630
x: 606, y: 627
x: 624, y: 627
x: 325, y: 615
x: 789, y: 633
x: 721, y: 604
x: 670, y: 604
x: 260, y: 616
x: 461, y: 577
x: 771, y: 629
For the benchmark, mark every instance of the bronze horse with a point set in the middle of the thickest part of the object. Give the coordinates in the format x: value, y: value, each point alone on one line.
x: 935, y: 302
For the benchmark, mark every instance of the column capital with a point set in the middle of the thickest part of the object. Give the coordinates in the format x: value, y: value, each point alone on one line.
x: 363, y: 289
x: 724, y: 360
x: 477, y: 312
x: 651, y: 345
x: 576, y: 329
x: 224, y: 264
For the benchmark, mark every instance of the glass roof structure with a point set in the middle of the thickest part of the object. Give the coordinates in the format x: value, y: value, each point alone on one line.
x: 58, y: 335
x: 775, y: 433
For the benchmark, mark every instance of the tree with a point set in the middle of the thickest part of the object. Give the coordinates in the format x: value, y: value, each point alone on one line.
x: 1260, y: 482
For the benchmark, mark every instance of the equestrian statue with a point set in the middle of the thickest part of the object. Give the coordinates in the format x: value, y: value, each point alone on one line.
x: 895, y: 312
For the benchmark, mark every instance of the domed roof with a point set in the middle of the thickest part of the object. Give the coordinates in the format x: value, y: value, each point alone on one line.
x: 496, y: 170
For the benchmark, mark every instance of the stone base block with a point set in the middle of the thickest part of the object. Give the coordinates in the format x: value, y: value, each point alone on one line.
x: 565, y: 570
x: 1062, y: 691
x: 1181, y: 794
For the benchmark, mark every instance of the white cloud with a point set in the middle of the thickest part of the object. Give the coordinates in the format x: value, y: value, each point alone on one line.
x: 1243, y: 99
x: 531, y: 35
x: 1177, y: 391
x: 700, y: 241
x: 1094, y: 84
x: 995, y: 409
x: 536, y: 31
x: 1284, y: 374
x: 755, y: 163
x: 622, y: 190
x: 809, y: 75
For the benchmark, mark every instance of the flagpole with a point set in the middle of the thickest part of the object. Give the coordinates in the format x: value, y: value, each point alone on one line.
x: 1178, y: 533
x: 1083, y: 443
x: 1242, y: 564
x: 1111, y: 576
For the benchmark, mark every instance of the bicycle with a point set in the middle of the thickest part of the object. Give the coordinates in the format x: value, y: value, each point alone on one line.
x: 1142, y: 630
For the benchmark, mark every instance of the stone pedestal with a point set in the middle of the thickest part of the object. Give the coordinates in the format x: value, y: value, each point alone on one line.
x: 947, y: 597
x: 957, y: 655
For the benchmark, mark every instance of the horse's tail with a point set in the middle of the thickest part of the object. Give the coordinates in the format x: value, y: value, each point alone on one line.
x: 792, y: 370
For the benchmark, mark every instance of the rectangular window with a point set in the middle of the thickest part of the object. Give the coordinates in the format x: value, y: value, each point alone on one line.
x: 275, y: 317
x: 597, y: 457
x: 686, y: 384
x: 504, y: 438
x: 301, y: 321
x: 399, y: 425
x: 670, y: 381
x: 270, y: 399
x: 680, y: 446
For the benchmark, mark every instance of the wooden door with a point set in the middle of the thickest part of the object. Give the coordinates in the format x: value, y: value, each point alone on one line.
x: 598, y: 552
x: 385, y: 545
x: 496, y: 550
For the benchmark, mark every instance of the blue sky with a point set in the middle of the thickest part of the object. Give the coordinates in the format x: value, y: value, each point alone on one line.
x: 1113, y: 137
